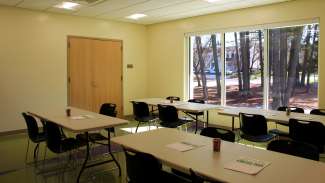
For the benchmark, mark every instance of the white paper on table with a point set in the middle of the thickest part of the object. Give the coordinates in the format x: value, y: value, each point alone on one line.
x: 78, y: 117
x: 183, y: 146
x: 247, y: 165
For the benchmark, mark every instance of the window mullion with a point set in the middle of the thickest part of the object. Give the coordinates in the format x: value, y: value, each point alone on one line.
x: 223, y: 89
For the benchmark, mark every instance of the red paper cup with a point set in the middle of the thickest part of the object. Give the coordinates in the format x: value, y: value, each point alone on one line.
x: 216, y: 144
x: 68, y: 112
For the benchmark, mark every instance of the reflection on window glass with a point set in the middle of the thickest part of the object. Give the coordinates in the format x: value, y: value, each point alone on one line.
x: 206, y: 68
x: 293, y: 66
x: 244, y: 68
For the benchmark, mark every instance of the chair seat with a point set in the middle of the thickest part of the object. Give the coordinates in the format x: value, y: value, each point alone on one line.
x: 110, y: 129
x: 173, y: 124
x: 259, y: 138
x: 145, y: 118
x: 169, y: 177
x: 196, y: 113
x: 279, y: 132
x: 40, y: 137
x: 92, y: 137
x: 71, y: 143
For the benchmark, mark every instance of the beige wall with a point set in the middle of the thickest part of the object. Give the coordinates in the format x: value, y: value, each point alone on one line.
x: 166, y: 50
x: 33, y: 60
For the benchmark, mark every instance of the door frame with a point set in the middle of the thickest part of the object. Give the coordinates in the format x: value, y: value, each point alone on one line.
x: 68, y: 66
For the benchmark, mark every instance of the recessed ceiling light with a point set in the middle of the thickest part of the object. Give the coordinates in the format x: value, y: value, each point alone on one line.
x: 212, y: 1
x: 136, y: 16
x: 67, y: 5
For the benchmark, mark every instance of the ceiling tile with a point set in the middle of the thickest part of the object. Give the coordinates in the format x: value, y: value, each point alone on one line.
x: 142, y: 8
x: 9, y: 2
x: 107, y: 6
x: 38, y: 4
x: 157, y: 10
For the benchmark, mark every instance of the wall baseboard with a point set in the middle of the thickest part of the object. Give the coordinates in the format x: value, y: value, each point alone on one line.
x: 13, y: 132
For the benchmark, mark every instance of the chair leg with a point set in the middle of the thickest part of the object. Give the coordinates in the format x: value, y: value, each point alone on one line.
x: 136, y: 130
x: 36, y: 151
x: 44, y: 158
x: 26, y: 156
x: 196, y: 123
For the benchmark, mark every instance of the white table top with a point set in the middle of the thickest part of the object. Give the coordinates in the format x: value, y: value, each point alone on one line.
x: 180, y: 105
x: 283, y: 168
x: 91, y: 121
x: 271, y: 115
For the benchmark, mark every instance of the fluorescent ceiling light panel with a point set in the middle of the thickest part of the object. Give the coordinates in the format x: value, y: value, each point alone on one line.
x: 212, y: 1
x: 136, y: 16
x: 67, y: 5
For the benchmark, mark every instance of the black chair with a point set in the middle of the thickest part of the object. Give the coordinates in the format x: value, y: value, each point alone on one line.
x: 196, y: 114
x: 56, y: 143
x: 311, y: 132
x: 199, y: 179
x: 318, y: 112
x: 141, y: 113
x: 168, y: 117
x: 108, y: 109
x: 173, y: 98
x: 145, y: 168
x: 281, y: 133
x: 294, y: 148
x: 214, y: 132
x: 253, y: 128
x: 34, y: 135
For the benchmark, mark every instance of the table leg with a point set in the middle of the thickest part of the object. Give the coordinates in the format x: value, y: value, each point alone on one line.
x: 86, y: 159
x: 233, y: 124
x: 110, y: 152
x: 196, y: 123
x: 207, y: 118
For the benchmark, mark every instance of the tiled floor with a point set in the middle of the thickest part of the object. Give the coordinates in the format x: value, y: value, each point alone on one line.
x: 14, y: 169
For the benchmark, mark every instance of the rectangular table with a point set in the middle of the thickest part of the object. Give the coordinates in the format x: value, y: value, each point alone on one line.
x: 203, y: 160
x: 181, y: 105
x: 270, y: 115
x: 92, y: 121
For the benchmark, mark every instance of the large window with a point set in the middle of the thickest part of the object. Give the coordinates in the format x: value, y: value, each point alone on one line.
x: 256, y: 68
x: 206, y: 68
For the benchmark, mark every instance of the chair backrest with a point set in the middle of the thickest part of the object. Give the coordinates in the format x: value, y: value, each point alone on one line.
x: 173, y: 98
x: 307, y: 131
x: 253, y: 124
x: 142, y: 167
x: 53, y: 137
x: 32, y: 127
x: 108, y: 109
x: 167, y: 113
x: 140, y: 109
x: 213, y: 132
x: 294, y: 148
x: 200, y: 101
x: 318, y: 112
x: 292, y: 109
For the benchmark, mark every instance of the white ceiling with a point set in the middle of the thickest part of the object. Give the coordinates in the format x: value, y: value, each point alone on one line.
x: 157, y: 10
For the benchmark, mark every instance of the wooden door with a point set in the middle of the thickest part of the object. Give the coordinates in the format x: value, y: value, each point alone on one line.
x: 95, y: 73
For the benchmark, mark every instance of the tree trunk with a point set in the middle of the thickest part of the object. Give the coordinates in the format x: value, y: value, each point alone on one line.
x: 275, y: 62
x: 293, y: 62
x: 196, y: 72
x: 261, y: 57
x: 245, y: 56
x: 240, y: 82
x: 306, y: 57
x: 216, y: 62
x: 311, y: 60
x: 282, y: 67
x: 202, y: 66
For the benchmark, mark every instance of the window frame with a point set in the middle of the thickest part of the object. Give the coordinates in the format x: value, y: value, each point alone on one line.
x: 265, y: 29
